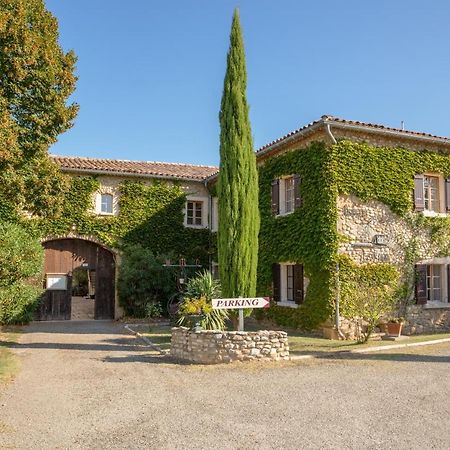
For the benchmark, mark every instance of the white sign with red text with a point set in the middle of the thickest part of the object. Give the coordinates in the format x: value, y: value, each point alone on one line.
x: 239, y: 303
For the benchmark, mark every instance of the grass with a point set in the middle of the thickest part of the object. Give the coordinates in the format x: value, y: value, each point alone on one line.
x: 9, y: 364
x: 158, y: 335
x: 299, y: 343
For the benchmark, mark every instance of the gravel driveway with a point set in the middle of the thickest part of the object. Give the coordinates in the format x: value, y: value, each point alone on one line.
x: 88, y: 385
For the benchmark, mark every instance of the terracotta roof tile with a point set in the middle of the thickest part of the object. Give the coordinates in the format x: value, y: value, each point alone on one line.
x: 144, y: 168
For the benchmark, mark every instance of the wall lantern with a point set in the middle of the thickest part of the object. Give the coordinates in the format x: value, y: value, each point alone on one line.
x: 380, y: 239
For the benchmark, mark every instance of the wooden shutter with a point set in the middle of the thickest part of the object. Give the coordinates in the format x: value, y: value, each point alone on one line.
x: 419, y: 201
x: 298, y: 284
x: 276, y: 197
x: 447, y: 194
x: 276, y: 282
x: 297, y: 195
x: 421, y: 284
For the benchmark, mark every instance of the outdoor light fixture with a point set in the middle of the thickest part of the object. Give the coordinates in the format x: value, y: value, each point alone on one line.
x: 380, y: 239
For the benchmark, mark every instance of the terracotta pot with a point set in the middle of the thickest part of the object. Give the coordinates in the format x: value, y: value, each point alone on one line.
x: 394, y: 329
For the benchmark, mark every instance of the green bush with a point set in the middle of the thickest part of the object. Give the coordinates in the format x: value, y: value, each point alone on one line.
x: 143, y: 281
x: 21, y: 263
x: 18, y: 302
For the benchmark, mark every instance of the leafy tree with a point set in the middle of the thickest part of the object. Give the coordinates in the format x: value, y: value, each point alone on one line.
x: 36, y: 80
x: 238, y: 179
x: 21, y: 263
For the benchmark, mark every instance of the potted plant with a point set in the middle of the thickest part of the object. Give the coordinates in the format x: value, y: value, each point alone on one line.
x: 192, y: 311
x: 394, y: 326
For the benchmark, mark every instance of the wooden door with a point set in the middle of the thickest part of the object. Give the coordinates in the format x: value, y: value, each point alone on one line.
x: 104, y: 285
x: 62, y: 257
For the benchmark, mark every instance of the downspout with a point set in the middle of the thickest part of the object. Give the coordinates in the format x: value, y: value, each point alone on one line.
x: 338, y: 300
x: 205, y: 182
x: 338, y: 284
x: 329, y: 133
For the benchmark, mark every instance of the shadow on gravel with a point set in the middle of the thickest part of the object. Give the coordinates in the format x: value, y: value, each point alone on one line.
x: 149, y: 359
x: 396, y: 357
x: 75, y: 327
x: 116, y: 345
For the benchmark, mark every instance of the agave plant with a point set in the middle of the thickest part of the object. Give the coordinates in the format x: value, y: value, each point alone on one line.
x: 204, y: 286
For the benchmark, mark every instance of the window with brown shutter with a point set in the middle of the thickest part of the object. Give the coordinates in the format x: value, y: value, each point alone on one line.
x: 447, y: 194
x: 275, y: 197
x: 276, y: 282
x: 421, y: 284
x: 419, y: 201
x: 299, y: 284
x: 297, y: 194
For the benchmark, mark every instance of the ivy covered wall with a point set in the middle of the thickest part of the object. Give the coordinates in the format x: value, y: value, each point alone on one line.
x: 149, y: 214
x: 309, y: 235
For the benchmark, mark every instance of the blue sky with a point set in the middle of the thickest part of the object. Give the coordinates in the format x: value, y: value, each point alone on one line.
x: 151, y: 72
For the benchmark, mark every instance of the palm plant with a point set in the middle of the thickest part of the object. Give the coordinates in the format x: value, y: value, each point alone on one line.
x: 204, y: 286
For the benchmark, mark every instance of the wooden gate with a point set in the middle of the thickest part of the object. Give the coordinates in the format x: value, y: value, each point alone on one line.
x: 62, y: 257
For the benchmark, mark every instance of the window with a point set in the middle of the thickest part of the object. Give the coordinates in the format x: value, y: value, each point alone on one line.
x: 289, y: 195
x: 431, y: 193
x: 434, y: 283
x: 194, y: 213
x: 288, y: 284
x: 286, y: 196
x: 106, y: 203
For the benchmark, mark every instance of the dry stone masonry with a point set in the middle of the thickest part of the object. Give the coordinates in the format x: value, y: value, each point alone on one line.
x: 214, y: 347
x: 427, y: 320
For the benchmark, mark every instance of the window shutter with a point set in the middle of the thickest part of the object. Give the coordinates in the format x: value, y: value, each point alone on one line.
x: 297, y: 194
x: 447, y: 194
x: 421, y: 284
x: 276, y: 197
x: 276, y: 282
x: 298, y: 284
x: 419, y: 201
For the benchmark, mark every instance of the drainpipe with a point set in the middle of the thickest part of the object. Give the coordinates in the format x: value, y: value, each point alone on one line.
x: 205, y: 182
x: 329, y: 133
x: 338, y: 299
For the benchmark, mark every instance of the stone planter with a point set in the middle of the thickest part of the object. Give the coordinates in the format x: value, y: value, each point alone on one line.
x: 394, y: 328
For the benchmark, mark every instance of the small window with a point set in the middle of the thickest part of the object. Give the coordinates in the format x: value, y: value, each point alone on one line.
x: 194, y: 213
x: 289, y: 194
x: 286, y: 197
x: 431, y: 193
x: 434, y: 283
x: 290, y: 283
x: 106, y: 204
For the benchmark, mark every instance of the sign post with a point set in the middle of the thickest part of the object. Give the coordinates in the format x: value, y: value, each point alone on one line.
x: 240, y: 304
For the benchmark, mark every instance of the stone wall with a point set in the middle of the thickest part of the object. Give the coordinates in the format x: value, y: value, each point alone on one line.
x: 423, y: 320
x: 359, y: 222
x: 214, y: 347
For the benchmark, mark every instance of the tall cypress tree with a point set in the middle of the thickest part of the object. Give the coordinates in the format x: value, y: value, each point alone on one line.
x: 238, y: 179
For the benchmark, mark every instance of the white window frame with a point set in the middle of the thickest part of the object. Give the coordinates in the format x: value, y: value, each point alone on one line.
x: 106, y: 195
x: 204, y: 209
x: 98, y: 204
x: 283, y: 200
x: 445, y: 300
x: 284, y: 301
x: 441, y: 210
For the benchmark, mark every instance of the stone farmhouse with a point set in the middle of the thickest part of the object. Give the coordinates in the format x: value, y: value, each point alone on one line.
x: 334, y: 190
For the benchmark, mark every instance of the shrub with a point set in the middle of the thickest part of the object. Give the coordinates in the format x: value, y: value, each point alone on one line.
x: 21, y: 263
x: 143, y: 281
x: 18, y: 302
x: 200, y: 290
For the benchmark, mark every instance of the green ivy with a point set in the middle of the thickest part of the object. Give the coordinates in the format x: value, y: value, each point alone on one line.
x: 306, y: 236
x: 149, y: 214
